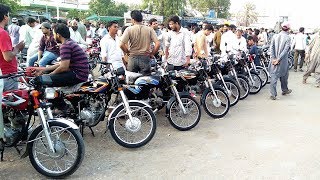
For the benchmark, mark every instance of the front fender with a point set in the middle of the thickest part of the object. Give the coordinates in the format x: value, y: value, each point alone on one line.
x: 68, y: 122
x: 173, y: 98
x: 121, y: 104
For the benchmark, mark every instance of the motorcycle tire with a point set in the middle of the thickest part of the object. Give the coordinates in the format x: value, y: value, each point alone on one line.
x: 116, y: 122
x: 234, y: 94
x: 171, y: 115
x: 60, y: 147
x: 263, y: 75
x: 224, y: 102
x: 255, y: 86
x: 243, y: 87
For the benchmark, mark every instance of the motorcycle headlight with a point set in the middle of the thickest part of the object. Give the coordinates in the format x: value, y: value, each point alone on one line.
x: 50, y: 93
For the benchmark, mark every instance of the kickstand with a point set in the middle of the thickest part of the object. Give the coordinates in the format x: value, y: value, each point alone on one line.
x: 18, y: 150
x: 1, y: 154
x: 81, y: 129
x: 92, y: 131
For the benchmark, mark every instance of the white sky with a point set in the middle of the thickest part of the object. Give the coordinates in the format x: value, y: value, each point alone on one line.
x: 301, y: 13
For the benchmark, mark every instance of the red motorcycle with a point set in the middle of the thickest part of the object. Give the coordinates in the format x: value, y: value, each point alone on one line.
x: 55, y: 147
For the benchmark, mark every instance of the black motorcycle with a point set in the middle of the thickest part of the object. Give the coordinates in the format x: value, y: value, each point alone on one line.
x: 165, y: 88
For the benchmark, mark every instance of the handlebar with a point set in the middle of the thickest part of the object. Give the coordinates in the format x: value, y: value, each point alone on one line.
x: 13, y: 75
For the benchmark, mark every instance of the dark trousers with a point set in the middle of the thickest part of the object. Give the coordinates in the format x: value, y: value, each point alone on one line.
x: 298, y: 53
x: 58, y: 80
x: 139, y: 64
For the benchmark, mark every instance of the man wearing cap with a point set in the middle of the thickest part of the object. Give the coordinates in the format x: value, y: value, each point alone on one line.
x: 13, y: 30
x: 279, y: 64
x: 48, y: 49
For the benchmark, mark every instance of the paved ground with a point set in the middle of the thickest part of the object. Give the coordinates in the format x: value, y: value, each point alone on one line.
x: 258, y: 139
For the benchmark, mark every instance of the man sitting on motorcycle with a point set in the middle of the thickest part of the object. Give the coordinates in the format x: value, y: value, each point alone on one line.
x: 73, y: 67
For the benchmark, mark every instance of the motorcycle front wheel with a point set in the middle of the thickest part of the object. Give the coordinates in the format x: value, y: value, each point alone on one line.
x: 181, y: 121
x: 68, y: 155
x: 215, y: 107
x: 136, y: 132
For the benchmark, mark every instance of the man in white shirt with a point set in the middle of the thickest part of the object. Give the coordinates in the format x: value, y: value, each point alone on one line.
x: 110, y: 46
x: 227, y: 40
x: 102, y: 31
x: 76, y: 36
x: 26, y: 33
x: 299, y: 45
x: 178, y: 45
x: 240, y: 42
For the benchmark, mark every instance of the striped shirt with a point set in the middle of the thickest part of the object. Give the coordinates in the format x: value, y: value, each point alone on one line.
x: 70, y: 50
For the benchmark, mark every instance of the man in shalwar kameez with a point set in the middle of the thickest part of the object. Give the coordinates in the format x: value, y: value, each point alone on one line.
x: 279, y: 64
x: 313, y: 56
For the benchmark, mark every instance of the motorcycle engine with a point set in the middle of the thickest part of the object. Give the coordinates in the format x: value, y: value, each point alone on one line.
x: 92, y: 110
x: 156, y: 99
x: 13, y: 121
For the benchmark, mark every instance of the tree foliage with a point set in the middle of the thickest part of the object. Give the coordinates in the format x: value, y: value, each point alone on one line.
x: 107, y: 8
x: 220, y: 6
x: 247, y: 15
x: 165, y: 7
x: 76, y: 13
x: 13, y: 4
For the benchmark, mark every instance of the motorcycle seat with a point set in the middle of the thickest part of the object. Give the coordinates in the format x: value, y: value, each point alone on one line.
x: 70, y: 89
x: 131, y: 77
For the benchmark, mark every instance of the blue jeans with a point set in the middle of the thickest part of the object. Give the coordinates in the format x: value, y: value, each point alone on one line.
x: 47, y: 58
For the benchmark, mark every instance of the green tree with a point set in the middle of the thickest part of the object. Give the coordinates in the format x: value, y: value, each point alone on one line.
x: 107, y: 8
x: 247, y: 15
x: 165, y: 7
x: 13, y: 4
x: 76, y: 13
x: 220, y: 6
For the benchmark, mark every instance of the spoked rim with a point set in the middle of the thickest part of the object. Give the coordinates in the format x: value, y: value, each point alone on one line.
x: 263, y: 75
x: 243, y: 87
x: 256, y: 84
x: 133, y: 132
x: 66, y: 148
x: 184, y: 120
x: 234, y: 92
x: 211, y: 104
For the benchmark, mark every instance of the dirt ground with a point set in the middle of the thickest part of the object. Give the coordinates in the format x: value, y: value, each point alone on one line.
x: 258, y: 139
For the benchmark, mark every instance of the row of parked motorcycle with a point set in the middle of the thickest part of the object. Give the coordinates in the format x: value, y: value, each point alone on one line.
x: 55, y: 145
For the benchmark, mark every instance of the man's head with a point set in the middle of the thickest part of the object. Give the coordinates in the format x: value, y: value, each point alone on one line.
x: 74, y: 25
x: 14, y: 20
x: 4, y: 14
x: 301, y: 29
x: 136, y: 16
x: 60, y: 32
x: 226, y: 27
x: 112, y: 27
x: 250, y: 31
x: 285, y: 26
x: 239, y: 33
x: 102, y: 25
x: 208, y: 29
x: 45, y: 28
x: 250, y: 40
x: 153, y: 23
x: 31, y: 22
x: 233, y: 28
x: 204, y: 23
x: 174, y: 23
x: 161, y: 26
